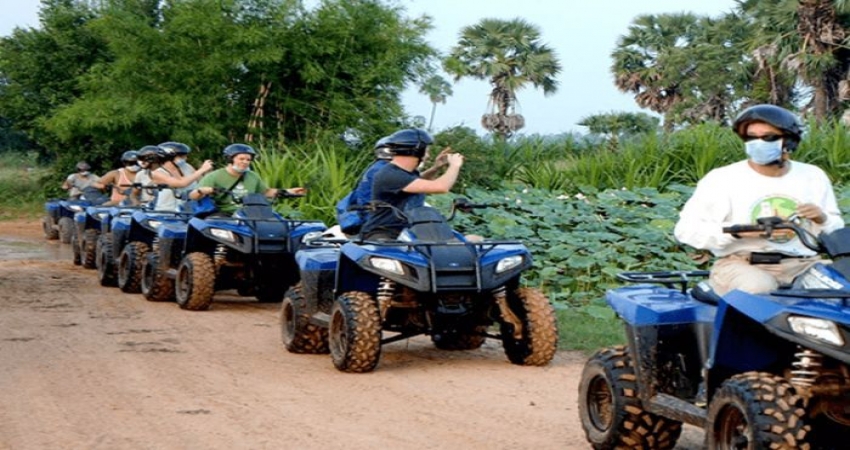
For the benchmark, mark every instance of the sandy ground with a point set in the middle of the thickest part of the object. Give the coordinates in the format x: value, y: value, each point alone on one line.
x: 88, y: 367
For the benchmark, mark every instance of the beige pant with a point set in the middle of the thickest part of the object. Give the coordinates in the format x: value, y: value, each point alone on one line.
x: 736, y: 272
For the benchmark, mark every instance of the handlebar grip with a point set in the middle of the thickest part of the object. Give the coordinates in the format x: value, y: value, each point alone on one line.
x: 742, y: 228
x: 283, y: 193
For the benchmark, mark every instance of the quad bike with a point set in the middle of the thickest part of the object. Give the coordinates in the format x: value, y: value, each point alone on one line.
x: 89, y: 224
x: 754, y: 371
x: 356, y: 296
x: 119, y: 227
x: 58, y: 221
x: 252, y: 251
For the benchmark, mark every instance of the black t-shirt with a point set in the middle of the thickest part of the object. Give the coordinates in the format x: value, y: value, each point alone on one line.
x: 387, y: 187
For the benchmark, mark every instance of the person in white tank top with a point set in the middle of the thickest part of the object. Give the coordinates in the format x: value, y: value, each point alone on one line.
x: 164, y: 173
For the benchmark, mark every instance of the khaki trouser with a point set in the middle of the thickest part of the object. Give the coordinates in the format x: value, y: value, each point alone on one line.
x: 736, y: 272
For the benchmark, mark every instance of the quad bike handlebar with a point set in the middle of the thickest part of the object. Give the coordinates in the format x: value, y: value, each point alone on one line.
x: 767, y: 225
x: 158, y: 187
x: 458, y: 204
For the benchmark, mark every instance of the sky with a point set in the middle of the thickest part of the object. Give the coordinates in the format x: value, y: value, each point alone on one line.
x: 582, y: 37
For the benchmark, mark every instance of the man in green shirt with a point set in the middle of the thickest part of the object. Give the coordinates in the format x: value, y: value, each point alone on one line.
x: 237, y: 179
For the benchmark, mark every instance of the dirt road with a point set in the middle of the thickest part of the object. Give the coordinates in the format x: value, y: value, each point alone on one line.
x: 88, y: 367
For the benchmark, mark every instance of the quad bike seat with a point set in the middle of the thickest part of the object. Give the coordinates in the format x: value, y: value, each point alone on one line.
x: 428, y: 224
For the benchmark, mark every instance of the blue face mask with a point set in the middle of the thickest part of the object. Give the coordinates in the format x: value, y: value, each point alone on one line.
x: 763, y: 152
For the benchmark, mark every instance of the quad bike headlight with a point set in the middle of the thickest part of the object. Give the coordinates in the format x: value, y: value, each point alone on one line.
x: 387, y: 265
x: 508, y: 263
x: 154, y: 224
x: 220, y: 233
x: 820, y: 329
x: 101, y: 216
x: 75, y: 208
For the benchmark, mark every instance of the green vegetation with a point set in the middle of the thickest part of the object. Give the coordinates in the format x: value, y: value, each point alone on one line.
x: 20, y: 186
x: 98, y: 78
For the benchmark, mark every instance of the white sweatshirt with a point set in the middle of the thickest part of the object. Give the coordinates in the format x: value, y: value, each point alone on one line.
x: 736, y: 194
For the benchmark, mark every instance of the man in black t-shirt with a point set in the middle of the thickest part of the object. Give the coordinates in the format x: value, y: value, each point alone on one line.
x: 399, y: 183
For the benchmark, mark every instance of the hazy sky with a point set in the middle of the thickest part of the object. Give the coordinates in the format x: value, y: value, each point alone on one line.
x: 582, y: 35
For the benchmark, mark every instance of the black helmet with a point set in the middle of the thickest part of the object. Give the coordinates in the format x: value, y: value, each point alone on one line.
x: 382, y: 151
x: 177, y: 147
x: 409, y: 142
x: 773, y: 115
x: 130, y: 156
x: 83, y: 166
x: 151, y: 153
x: 236, y: 149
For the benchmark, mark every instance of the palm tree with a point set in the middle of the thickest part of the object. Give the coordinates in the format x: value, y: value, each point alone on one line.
x: 685, y: 67
x: 508, y: 54
x: 807, y: 39
x: 438, y: 90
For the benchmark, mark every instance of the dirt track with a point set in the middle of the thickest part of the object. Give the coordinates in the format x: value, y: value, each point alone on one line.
x: 88, y: 367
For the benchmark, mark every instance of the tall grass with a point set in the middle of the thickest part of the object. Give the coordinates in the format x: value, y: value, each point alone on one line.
x: 329, y: 172
x: 21, y: 180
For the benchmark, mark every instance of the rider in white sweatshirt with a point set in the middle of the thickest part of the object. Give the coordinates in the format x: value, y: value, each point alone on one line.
x: 767, y: 184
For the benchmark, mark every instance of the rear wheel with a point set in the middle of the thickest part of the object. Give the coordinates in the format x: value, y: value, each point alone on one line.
x: 50, y: 232
x: 355, y: 332
x: 756, y: 410
x: 299, y: 335
x: 195, y: 283
x: 66, y: 229
x: 156, y: 286
x: 610, y: 412
x: 88, y: 248
x: 130, y: 266
x: 539, y: 339
x: 105, y: 264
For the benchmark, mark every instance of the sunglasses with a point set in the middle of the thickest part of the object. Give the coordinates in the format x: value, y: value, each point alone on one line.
x: 766, y: 137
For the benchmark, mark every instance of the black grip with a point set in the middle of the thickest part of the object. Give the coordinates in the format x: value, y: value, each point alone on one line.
x: 734, y: 229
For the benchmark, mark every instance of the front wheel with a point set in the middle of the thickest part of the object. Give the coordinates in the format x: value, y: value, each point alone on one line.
x: 75, y: 249
x: 355, y: 332
x: 66, y: 229
x: 756, y: 410
x: 299, y: 335
x: 130, y: 266
x: 610, y: 411
x: 195, y: 283
x: 88, y: 248
x: 539, y: 339
x: 156, y: 286
x: 50, y: 232
x: 104, y: 262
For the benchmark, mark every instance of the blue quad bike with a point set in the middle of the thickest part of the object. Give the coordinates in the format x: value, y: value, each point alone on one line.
x: 58, y: 221
x: 88, y: 226
x: 358, y: 295
x: 252, y: 251
x: 123, y: 226
x: 767, y: 371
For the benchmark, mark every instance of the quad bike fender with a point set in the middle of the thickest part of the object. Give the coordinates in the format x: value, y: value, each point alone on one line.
x: 350, y: 276
x: 653, y: 305
x: 52, y: 207
x: 204, y: 234
x: 758, y: 326
x: 67, y: 208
